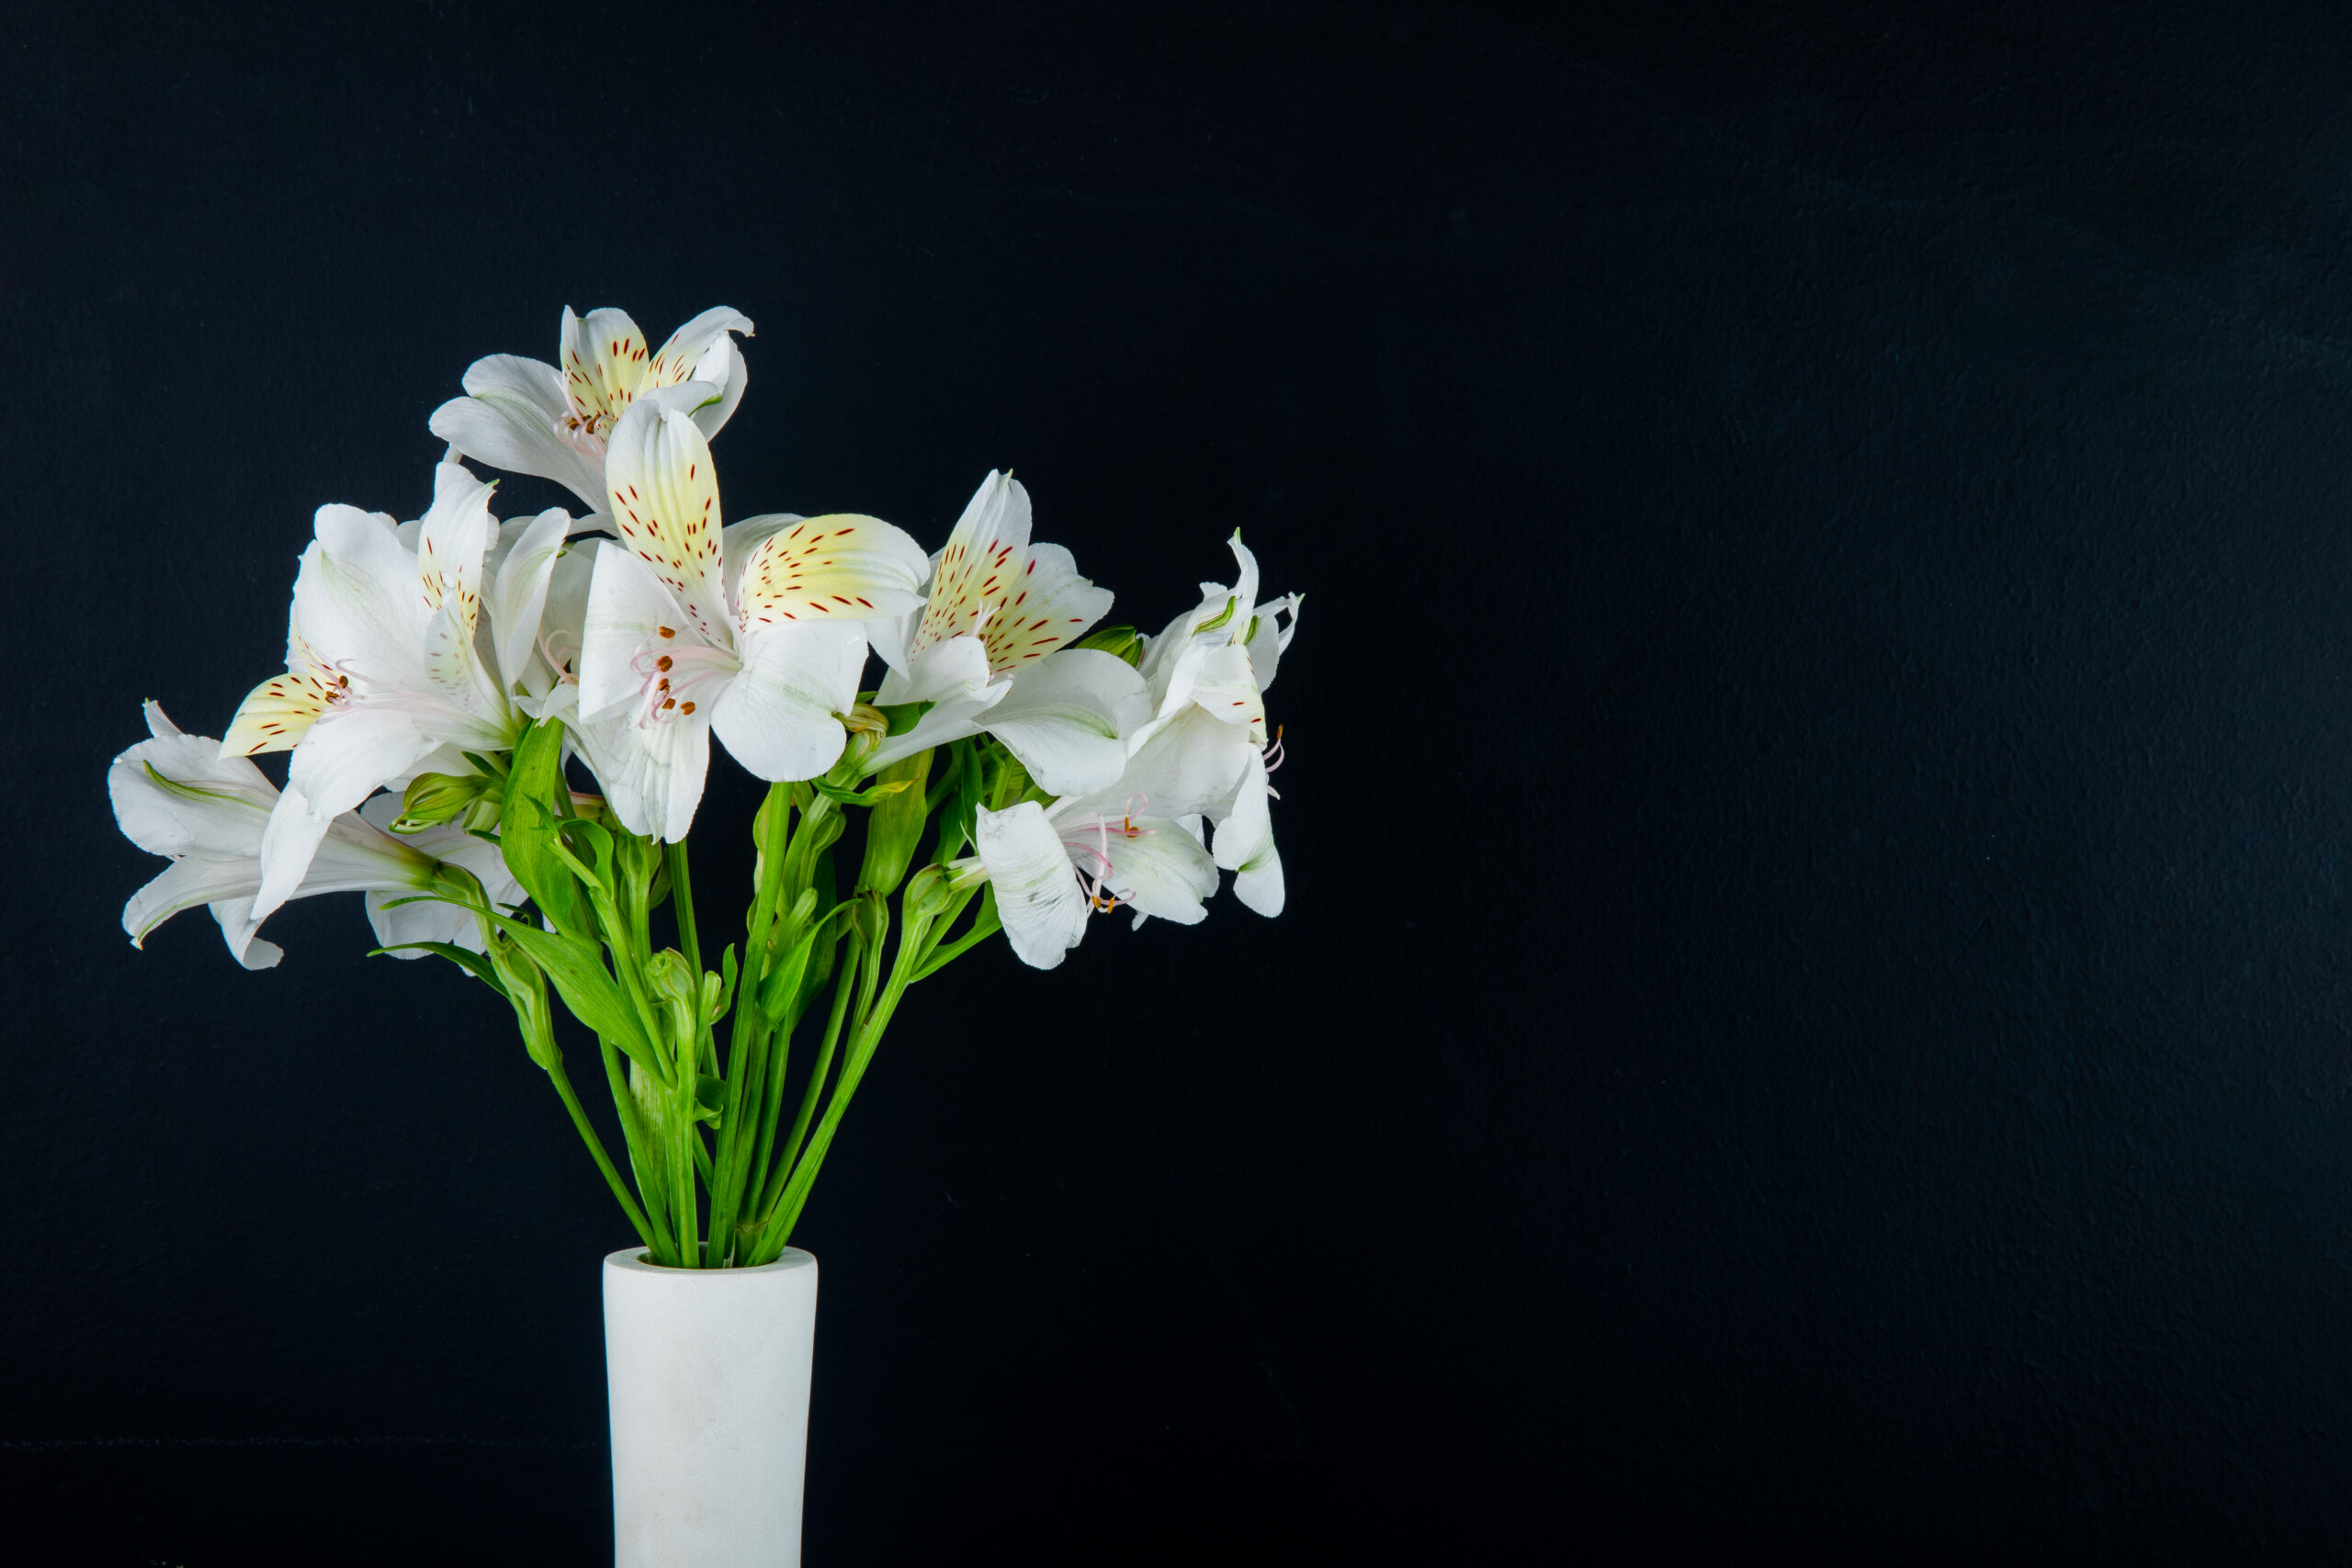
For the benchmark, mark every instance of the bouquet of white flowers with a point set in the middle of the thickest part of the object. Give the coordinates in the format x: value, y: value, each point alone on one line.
x: 448, y: 679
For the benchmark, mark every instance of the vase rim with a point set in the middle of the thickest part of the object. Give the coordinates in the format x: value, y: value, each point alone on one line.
x: 633, y: 1260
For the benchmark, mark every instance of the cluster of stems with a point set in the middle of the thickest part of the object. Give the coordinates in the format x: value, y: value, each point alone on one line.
x: 716, y: 1175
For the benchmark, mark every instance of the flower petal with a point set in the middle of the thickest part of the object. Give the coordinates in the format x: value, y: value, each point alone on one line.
x: 664, y: 500
x: 452, y: 547
x: 604, y: 364
x: 1066, y: 718
x: 1037, y: 894
x: 1050, y: 605
x: 681, y: 358
x: 652, y: 776
x: 356, y: 600
x: 276, y: 714
x: 1244, y: 842
x: 181, y: 886
x: 777, y: 716
x: 510, y: 419
x: 629, y: 608
x: 835, y: 567
x: 517, y: 595
x: 1161, y: 869
x: 1227, y: 687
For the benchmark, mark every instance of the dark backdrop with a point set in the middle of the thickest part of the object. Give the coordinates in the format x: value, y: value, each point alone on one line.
x: 1812, y: 1020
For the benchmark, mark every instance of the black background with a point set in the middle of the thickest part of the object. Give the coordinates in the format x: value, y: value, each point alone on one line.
x: 1812, y: 1020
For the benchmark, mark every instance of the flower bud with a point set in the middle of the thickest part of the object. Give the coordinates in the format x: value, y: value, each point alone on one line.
x: 868, y: 726
x: 1120, y: 642
x: 471, y: 800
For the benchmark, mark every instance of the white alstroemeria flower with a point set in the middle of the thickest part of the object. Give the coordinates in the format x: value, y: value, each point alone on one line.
x: 176, y: 794
x: 1053, y: 865
x: 680, y: 640
x: 528, y: 417
x: 385, y: 669
x: 1219, y: 656
x: 987, y: 652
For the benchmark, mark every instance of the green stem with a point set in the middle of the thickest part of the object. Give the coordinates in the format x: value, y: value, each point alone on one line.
x: 777, y: 1228
x: 771, y: 1184
x: 596, y: 1148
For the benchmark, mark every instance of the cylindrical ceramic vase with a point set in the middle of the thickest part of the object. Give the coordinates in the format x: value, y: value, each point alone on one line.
x: 709, y: 1369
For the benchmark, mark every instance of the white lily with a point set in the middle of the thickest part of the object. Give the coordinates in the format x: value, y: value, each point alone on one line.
x: 987, y: 652
x: 384, y: 668
x: 757, y: 631
x: 526, y: 416
x: 177, y: 794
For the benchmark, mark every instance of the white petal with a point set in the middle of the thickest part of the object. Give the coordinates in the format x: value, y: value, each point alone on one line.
x: 652, y: 777
x: 452, y: 550
x: 237, y: 927
x: 1037, y: 894
x: 628, y: 609
x: 1260, y: 884
x: 1244, y: 842
x: 777, y: 715
x: 219, y: 809
x: 1190, y: 765
x: 1227, y: 686
x: 740, y: 540
x: 350, y: 755
x: 603, y: 361
x: 509, y: 421
x: 841, y: 566
x: 1277, y: 623
x: 518, y: 590
x: 287, y: 844
x: 663, y: 494
x: 700, y: 351
x: 1050, y: 605
x: 1067, y: 717
x: 947, y: 721
x: 1162, y: 870
x: 946, y: 671
x: 182, y: 886
x: 357, y: 602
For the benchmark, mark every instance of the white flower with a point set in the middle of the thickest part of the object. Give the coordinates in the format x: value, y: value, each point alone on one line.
x: 1205, y: 750
x: 176, y: 794
x: 987, y: 652
x: 384, y: 667
x: 757, y: 631
x: 1053, y: 865
x: 1220, y: 656
x: 529, y: 418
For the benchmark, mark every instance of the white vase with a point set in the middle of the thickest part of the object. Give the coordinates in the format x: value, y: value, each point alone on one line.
x: 709, y: 1369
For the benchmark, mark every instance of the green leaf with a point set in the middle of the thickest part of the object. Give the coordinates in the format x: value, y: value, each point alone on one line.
x: 873, y: 797
x: 577, y: 966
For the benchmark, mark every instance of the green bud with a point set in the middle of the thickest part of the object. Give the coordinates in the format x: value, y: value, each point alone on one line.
x: 928, y: 895
x: 471, y: 800
x: 868, y: 726
x: 1121, y: 642
x: 894, y: 826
